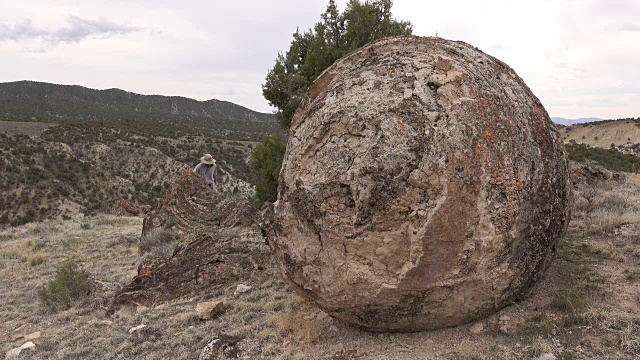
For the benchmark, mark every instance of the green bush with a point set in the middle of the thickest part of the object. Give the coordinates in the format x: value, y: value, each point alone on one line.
x: 267, y: 160
x: 609, y: 158
x: 70, y: 284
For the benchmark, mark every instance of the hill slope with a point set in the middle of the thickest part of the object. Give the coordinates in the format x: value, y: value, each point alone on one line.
x: 69, y: 169
x: 28, y: 99
x: 603, y: 134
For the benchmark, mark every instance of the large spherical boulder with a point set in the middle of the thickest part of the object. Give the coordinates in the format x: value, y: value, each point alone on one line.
x: 423, y: 186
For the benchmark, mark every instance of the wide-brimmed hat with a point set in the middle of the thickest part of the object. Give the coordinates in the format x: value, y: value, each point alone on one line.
x: 208, y: 159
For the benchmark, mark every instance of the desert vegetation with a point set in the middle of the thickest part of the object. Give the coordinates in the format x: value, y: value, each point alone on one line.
x: 82, y: 168
x: 585, y: 307
x: 611, y: 158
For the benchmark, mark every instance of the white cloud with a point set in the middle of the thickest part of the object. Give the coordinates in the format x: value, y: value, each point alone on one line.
x: 77, y: 29
x: 578, y: 56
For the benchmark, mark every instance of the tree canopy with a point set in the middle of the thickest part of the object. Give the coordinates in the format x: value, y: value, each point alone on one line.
x: 314, y: 50
x: 267, y: 160
x: 310, y: 53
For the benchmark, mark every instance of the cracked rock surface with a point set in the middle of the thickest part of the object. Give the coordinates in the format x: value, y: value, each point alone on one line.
x: 423, y: 186
x: 219, y: 245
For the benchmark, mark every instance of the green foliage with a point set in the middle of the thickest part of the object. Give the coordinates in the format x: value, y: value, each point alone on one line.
x: 608, y: 158
x: 310, y: 53
x: 267, y: 160
x: 314, y: 50
x: 70, y: 284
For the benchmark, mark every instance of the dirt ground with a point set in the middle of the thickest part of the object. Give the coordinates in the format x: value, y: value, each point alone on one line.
x: 586, y: 307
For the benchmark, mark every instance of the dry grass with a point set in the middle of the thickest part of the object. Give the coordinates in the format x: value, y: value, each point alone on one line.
x: 273, y: 321
x: 605, y: 221
x: 160, y: 242
x: 629, y: 338
x: 584, y: 307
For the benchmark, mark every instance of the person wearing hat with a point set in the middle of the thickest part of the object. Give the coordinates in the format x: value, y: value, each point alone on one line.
x: 208, y: 170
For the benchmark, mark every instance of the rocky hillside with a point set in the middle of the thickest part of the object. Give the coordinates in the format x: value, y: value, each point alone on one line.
x: 604, y: 133
x: 70, y: 170
x: 614, y: 144
x: 27, y: 99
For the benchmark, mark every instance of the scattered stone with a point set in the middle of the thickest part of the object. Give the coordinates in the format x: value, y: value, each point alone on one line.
x: 223, y: 345
x: 505, y: 318
x: 592, y: 174
x: 386, y: 194
x: 105, y: 322
x: 15, y: 352
x: 141, y: 309
x: 210, y: 309
x: 477, y: 328
x: 32, y: 336
x: 242, y: 288
x: 547, y: 356
x: 136, y: 328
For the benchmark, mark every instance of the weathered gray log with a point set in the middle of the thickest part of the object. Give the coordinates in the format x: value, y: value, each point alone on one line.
x: 424, y: 186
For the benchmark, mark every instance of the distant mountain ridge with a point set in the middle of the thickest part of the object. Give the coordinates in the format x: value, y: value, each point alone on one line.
x: 569, y: 122
x: 45, y: 101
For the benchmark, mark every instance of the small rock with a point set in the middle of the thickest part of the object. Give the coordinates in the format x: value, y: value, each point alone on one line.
x: 333, y: 329
x: 222, y: 346
x: 141, y: 309
x: 136, y: 328
x: 12, y: 354
x: 32, y: 336
x: 105, y: 322
x: 210, y: 309
x: 547, y: 356
x: 505, y: 318
x: 242, y: 288
x: 28, y: 345
x: 15, y: 352
x: 477, y: 328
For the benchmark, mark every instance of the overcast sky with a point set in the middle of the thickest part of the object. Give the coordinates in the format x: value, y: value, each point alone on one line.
x: 580, y: 57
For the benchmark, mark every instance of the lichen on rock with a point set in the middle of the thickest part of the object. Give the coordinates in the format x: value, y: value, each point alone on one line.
x: 423, y: 186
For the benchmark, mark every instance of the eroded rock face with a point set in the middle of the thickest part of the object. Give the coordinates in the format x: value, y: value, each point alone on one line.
x: 423, y: 186
x: 219, y: 245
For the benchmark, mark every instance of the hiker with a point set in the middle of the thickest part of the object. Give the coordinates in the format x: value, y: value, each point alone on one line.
x: 208, y: 170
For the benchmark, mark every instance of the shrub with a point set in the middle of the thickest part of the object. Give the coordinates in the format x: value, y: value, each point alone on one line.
x: 70, y: 284
x: 160, y: 242
x: 37, y: 260
x: 605, y: 221
x: 267, y: 161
